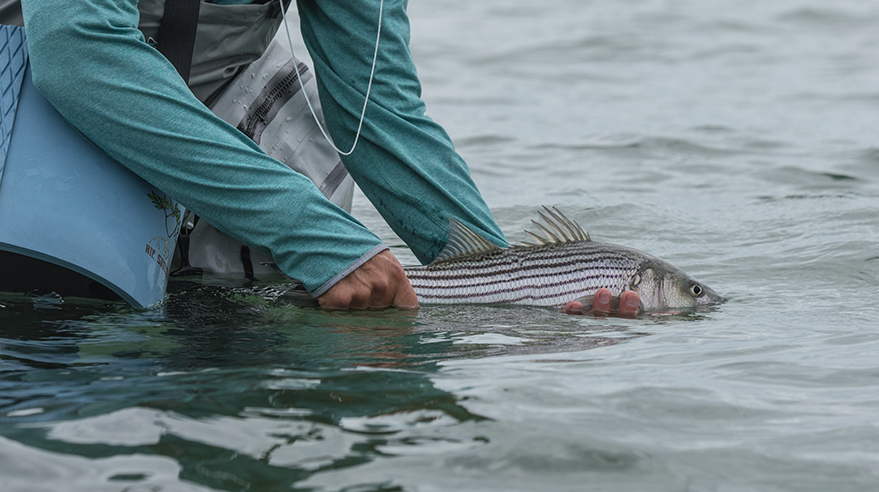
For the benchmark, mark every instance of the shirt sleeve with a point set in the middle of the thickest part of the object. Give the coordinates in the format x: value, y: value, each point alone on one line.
x: 91, y: 62
x: 404, y: 161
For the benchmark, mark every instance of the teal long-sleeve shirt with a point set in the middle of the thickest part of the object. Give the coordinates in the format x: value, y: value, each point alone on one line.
x: 90, y: 60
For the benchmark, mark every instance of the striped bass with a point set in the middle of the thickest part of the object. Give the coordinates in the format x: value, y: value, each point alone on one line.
x: 559, y: 265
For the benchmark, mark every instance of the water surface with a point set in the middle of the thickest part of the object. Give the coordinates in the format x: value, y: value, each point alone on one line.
x: 735, y: 140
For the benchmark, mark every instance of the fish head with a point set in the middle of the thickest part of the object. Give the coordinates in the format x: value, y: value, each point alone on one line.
x: 661, y: 286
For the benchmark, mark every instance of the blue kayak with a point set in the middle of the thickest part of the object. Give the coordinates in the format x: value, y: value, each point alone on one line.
x: 72, y: 220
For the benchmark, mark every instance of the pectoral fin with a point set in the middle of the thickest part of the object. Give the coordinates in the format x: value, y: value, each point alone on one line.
x: 463, y: 242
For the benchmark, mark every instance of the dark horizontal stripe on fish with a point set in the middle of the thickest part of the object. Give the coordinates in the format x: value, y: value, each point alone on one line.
x: 514, y: 285
x: 606, y: 273
x: 514, y: 257
x: 536, y: 281
x: 531, y: 261
x: 510, y: 267
x: 464, y: 296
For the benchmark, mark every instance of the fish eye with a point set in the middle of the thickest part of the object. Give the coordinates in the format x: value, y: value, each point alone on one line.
x: 696, y: 290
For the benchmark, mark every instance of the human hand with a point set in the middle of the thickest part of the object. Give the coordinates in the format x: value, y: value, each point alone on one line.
x: 601, y: 306
x: 377, y: 284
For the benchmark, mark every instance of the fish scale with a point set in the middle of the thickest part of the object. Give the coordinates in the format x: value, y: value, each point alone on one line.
x: 538, y: 275
x: 560, y: 265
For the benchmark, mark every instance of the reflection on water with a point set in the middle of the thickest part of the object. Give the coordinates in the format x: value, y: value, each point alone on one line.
x: 230, y: 389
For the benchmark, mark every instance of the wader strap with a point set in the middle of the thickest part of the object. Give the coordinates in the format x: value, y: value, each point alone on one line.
x: 247, y: 263
x: 177, y: 34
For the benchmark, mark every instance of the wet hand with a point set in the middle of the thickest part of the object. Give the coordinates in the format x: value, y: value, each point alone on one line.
x: 602, y: 304
x: 379, y: 283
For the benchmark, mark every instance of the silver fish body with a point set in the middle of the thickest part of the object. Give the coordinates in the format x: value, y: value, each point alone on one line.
x: 565, y: 265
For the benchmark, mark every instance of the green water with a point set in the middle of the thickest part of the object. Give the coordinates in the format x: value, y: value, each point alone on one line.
x: 736, y: 141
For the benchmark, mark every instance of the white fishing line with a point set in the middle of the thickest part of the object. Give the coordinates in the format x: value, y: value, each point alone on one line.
x: 326, y: 135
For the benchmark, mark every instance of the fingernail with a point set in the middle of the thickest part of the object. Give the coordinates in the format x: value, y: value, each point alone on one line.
x: 631, y: 301
x: 604, y: 296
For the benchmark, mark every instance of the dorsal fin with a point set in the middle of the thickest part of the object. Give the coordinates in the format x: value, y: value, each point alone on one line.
x: 463, y: 242
x: 556, y: 229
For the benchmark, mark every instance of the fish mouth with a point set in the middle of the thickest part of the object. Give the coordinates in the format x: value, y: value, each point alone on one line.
x: 714, y: 297
x: 710, y: 303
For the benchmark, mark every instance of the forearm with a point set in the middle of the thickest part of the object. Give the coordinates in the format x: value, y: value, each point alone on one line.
x: 404, y: 162
x: 91, y: 62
